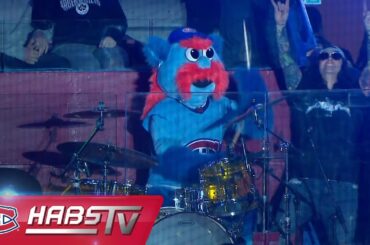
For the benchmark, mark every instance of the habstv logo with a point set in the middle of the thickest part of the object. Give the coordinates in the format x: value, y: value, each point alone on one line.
x: 8, y: 219
x: 77, y: 220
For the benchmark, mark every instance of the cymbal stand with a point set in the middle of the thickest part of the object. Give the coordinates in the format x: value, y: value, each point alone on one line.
x: 75, y: 161
x: 284, y: 147
x: 287, y: 221
x: 265, y: 205
x: 105, y: 180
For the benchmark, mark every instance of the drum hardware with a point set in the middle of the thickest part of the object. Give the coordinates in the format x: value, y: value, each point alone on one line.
x: 52, y: 124
x: 285, y: 146
x: 190, y: 199
x: 76, y: 162
x: 84, y: 154
x: 337, y: 216
x: 287, y: 221
x: 116, y: 188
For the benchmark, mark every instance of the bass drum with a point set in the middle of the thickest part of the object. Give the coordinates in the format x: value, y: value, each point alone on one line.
x: 188, y: 228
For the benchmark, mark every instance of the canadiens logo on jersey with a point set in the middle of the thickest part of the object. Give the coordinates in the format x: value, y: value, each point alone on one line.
x: 81, y: 6
x: 204, y: 146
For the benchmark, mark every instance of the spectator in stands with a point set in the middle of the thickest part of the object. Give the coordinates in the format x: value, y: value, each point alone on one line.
x: 18, y: 46
x: 87, y: 33
x: 246, y: 25
x: 325, y: 128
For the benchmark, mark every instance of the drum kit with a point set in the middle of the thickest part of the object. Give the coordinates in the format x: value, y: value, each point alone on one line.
x: 211, y: 212
x: 74, y: 159
x: 215, y: 210
x: 226, y: 189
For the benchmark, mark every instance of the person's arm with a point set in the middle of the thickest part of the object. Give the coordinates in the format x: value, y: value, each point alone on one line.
x: 115, y: 27
x: 291, y: 71
x: 366, y: 15
x: 42, y: 22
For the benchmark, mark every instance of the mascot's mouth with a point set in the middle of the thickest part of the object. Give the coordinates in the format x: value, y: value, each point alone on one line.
x: 202, y: 84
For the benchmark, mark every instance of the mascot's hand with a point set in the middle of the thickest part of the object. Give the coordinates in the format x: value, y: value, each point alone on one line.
x: 182, y: 164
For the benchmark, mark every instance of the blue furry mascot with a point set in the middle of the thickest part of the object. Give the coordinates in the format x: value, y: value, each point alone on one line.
x: 187, y: 95
x: 186, y: 111
x: 186, y: 108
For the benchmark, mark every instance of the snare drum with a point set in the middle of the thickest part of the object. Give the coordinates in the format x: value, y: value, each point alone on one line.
x: 228, y: 188
x: 188, y: 228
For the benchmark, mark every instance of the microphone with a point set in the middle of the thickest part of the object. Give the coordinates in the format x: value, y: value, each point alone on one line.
x: 101, y: 107
x: 255, y: 114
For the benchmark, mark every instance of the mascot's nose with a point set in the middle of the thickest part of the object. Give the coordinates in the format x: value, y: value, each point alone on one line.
x: 204, y: 62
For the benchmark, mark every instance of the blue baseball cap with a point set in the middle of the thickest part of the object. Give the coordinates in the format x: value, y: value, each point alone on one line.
x: 184, y: 33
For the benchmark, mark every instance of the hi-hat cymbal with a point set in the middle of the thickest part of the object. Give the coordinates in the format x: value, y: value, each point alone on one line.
x: 53, y: 122
x: 96, y: 113
x: 99, y: 154
x: 58, y: 160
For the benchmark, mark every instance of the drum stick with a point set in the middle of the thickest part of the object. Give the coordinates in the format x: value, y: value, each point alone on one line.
x: 237, y: 134
x: 66, y: 190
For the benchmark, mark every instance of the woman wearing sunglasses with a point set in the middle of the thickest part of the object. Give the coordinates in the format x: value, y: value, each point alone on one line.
x: 325, y: 129
x: 329, y: 69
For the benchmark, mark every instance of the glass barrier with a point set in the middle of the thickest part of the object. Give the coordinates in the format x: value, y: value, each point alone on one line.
x: 109, y: 44
x: 300, y: 155
x: 43, y: 139
x: 271, y: 161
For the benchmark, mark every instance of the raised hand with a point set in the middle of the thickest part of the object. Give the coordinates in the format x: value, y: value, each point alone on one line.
x: 366, y: 16
x: 281, y: 11
x: 40, y: 42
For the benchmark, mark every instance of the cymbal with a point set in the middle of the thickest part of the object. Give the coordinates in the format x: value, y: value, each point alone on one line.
x: 49, y: 158
x: 53, y: 122
x: 58, y: 160
x: 99, y: 153
x: 95, y: 114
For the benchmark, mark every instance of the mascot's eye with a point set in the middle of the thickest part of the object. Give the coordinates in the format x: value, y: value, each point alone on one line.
x: 209, y: 53
x: 192, y: 54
